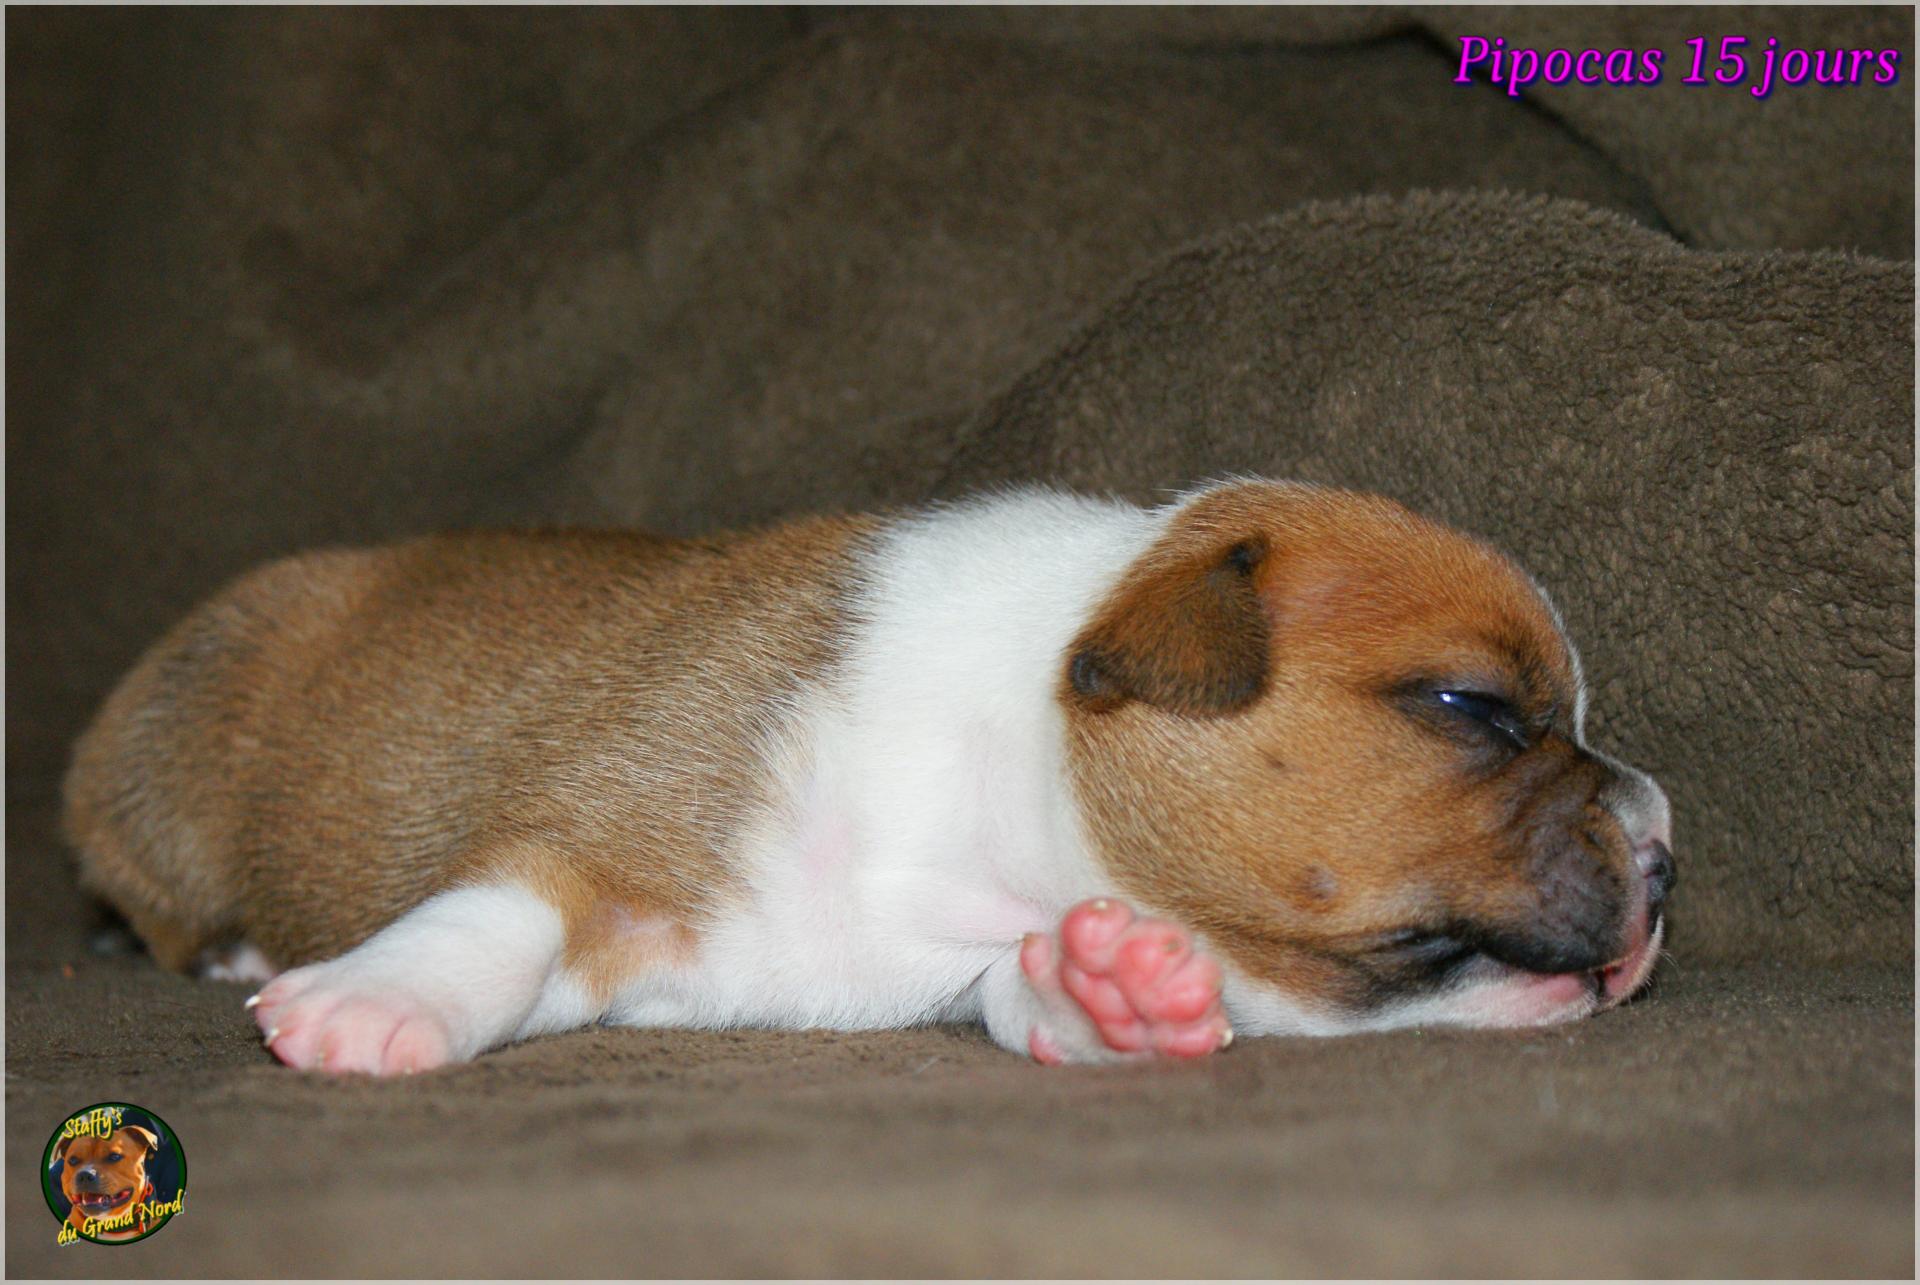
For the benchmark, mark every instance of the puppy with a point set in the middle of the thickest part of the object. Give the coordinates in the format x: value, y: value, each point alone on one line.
x: 105, y: 1179
x: 1116, y: 782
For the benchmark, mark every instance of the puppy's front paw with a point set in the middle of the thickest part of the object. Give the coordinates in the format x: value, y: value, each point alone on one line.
x: 325, y: 1018
x: 1137, y: 985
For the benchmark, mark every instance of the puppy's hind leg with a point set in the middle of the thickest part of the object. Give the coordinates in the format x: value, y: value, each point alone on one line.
x: 457, y: 974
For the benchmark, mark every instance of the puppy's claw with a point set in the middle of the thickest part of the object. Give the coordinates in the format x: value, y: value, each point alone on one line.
x: 1226, y: 1038
x: 271, y: 1036
x: 252, y: 1003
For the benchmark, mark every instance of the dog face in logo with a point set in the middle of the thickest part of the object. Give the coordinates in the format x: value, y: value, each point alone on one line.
x: 105, y: 1177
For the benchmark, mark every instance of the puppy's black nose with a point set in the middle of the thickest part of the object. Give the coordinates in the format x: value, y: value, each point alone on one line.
x: 1656, y: 863
x: 90, y: 1174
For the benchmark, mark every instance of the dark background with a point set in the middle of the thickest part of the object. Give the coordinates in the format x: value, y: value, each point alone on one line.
x: 279, y: 278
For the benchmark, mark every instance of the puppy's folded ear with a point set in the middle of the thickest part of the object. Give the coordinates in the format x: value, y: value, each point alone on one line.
x: 146, y: 1137
x: 60, y: 1148
x: 1185, y: 631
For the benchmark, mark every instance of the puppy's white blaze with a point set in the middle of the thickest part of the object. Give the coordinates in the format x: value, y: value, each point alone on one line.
x: 1573, y: 659
x: 1646, y: 814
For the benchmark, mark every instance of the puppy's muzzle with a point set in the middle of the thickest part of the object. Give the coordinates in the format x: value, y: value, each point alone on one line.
x: 1617, y: 981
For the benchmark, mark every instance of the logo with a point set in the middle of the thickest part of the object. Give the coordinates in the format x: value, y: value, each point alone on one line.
x: 113, y: 1173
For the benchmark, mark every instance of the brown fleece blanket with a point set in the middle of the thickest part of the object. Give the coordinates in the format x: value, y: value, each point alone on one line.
x: 278, y: 278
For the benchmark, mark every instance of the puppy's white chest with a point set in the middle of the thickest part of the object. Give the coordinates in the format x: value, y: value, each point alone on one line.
x: 919, y: 820
x: 845, y: 916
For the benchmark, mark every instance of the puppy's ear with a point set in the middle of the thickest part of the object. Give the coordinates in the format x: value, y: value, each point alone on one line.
x: 1186, y: 632
x: 60, y: 1148
x: 146, y: 1137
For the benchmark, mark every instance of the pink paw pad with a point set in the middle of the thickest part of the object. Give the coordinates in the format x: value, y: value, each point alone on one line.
x: 1138, y: 981
x: 313, y: 1026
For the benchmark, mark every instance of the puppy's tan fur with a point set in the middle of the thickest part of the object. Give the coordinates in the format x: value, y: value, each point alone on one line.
x: 340, y: 735
x: 1266, y: 782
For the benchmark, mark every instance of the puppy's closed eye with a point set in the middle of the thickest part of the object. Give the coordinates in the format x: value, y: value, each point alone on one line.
x: 1470, y: 715
x: 1494, y: 713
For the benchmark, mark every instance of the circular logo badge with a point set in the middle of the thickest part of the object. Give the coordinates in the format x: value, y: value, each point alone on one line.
x: 113, y: 1173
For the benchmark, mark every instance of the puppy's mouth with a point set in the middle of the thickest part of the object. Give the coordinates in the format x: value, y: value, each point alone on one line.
x: 1620, y: 980
x: 1491, y: 981
x: 99, y: 1202
x: 1524, y: 998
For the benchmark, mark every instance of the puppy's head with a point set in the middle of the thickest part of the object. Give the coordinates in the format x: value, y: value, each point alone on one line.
x: 1343, y: 743
x: 102, y: 1176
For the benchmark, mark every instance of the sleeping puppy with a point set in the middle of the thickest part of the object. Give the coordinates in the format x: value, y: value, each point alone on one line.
x: 1117, y: 782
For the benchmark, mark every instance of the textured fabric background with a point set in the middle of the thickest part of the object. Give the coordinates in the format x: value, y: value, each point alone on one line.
x: 1698, y: 453
x: 280, y: 278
